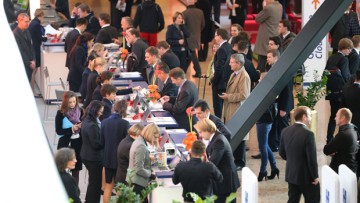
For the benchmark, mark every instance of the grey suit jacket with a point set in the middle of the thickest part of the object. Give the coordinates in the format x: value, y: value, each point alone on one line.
x: 139, y: 170
x: 269, y: 19
x: 298, y: 148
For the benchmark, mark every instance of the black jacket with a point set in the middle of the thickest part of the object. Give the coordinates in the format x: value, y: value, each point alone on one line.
x: 106, y: 34
x: 221, y: 127
x: 169, y: 89
x: 344, y: 145
x: 219, y: 152
x: 351, y: 100
x: 37, y: 31
x: 149, y: 17
x: 196, y: 176
x: 173, y: 35
x: 298, y: 148
x: 177, y: 106
x: 170, y: 59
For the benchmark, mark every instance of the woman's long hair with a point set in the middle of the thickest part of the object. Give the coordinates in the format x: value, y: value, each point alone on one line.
x: 82, y: 40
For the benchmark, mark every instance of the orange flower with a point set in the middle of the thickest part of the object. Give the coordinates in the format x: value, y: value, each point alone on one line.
x: 124, y: 54
x: 153, y: 93
x: 190, y: 136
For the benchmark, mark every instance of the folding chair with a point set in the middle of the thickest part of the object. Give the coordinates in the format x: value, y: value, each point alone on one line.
x: 48, y: 84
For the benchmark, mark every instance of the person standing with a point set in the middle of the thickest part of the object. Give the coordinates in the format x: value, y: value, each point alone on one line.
x: 353, y: 27
x: 338, y: 66
x: 219, y: 153
x: 113, y: 130
x: 197, y: 175
x: 65, y: 161
x: 269, y: 19
x: 186, y: 97
x: 298, y: 148
x: 71, y: 38
x: 37, y: 33
x: 139, y: 171
x: 92, y: 150
x: 150, y: 19
x: 221, y: 57
x: 107, y: 34
x: 93, y: 25
x: 343, y: 147
x: 237, y: 90
x: 238, y: 12
x: 138, y: 47
x: 23, y: 40
x: 68, y: 126
x: 351, y: 99
x: 117, y: 9
x: 195, y: 22
x: 285, y: 34
x: 123, y: 151
x: 176, y: 35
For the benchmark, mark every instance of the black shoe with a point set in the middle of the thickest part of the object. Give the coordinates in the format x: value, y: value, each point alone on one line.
x: 262, y: 176
x: 257, y: 156
x: 275, y: 149
x: 274, y: 173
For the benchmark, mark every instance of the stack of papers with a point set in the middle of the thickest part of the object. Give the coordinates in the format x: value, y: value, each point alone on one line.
x: 130, y: 74
x: 163, y: 120
x: 172, y: 131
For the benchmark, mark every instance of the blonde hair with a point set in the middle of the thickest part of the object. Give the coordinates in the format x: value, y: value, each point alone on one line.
x: 149, y: 133
x: 205, y: 125
x: 98, y: 47
x: 38, y: 13
x: 135, y: 130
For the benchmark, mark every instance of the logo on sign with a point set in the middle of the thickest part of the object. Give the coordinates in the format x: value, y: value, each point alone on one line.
x: 327, y: 196
x: 246, y: 197
x: 316, y: 3
x: 344, y: 195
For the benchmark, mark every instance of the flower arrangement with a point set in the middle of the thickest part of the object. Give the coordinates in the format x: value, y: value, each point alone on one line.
x: 123, y: 54
x: 153, y: 94
x: 190, y: 136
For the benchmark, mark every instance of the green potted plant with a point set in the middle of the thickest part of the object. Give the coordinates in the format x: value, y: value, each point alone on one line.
x: 126, y: 194
x: 310, y: 96
x: 211, y: 199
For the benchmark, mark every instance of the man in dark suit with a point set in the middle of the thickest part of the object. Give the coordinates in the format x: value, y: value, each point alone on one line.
x: 23, y: 40
x: 285, y: 34
x: 338, y: 65
x: 222, y: 55
x: 354, y: 58
x: 107, y: 33
x: 351, y: 99
x: 93, y: 25
x: 202, y: 110
x: 71, y: 37
x: 285, y: 103
x: 219, y: 152
x: 298, y: 148
x: 152, y: 58
x: 198, y: 174
x: 339, y: 30
x: 167, y: 55
x: 162, y: 73
x: 343, y: 148
x: 187, y: 96
x: 242, y: 48
x: 138, y: 47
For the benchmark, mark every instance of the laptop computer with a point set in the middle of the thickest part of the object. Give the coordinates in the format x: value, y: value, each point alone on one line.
x: 136, y: 102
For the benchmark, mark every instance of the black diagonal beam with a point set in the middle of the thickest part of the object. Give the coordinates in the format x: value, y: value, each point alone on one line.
x: 285, y: 68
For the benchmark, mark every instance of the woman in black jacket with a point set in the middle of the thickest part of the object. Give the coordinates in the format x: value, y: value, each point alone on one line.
x: 176, y: 35
x: 92, y: 150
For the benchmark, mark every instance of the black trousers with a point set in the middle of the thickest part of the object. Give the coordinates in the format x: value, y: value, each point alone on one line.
x: 275, y: 133
x: 195, y: 60
x: 183, y: 58
x: 335, y: 105
x: 138, y: 189
x: 217, y: 101
x: 311, y: 193
x: 115, y: 16
x: 240, y: 154
x: 215, y: 4
x: 93, y: 192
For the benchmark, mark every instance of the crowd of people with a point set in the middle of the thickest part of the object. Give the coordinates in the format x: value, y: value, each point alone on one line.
x: 93, y: 125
